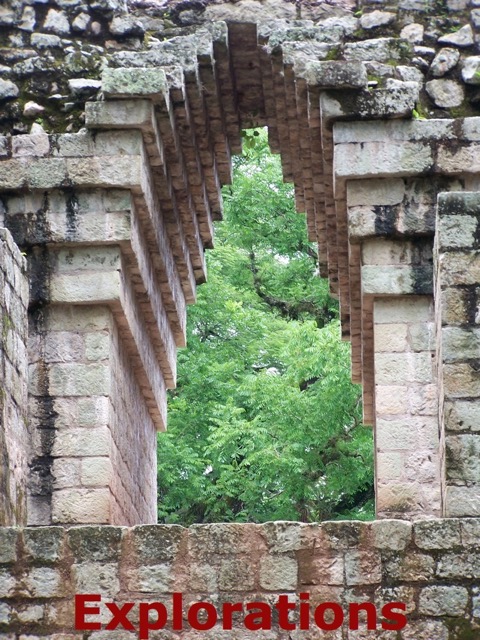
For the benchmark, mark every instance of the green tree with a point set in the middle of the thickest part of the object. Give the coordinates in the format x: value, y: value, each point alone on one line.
x: 264, y: 423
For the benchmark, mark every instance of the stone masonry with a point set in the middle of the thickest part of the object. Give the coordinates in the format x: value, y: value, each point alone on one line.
x: 13, y: 383
x: 118, y: 121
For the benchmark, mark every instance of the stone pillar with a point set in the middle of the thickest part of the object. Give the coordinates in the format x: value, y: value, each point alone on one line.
x: 394, y: 272
x: 107, y: 312
x: 457, y: 268
x: 406, y: 428
x: 14, y: 436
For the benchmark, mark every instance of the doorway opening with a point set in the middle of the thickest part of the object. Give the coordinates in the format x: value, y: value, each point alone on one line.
x: 265, y: 423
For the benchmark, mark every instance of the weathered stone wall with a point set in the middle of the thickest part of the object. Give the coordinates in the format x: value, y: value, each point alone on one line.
x: 432, y: 567
x: 14, y: 433
x: 375, y: 115
x: 457, y: 291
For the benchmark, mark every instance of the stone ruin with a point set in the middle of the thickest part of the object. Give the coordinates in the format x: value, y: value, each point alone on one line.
x: 119, y: 123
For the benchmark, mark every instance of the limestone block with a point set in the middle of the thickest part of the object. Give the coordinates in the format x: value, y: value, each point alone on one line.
x: 362, y: 567
x: 68, y: 379
x: 376, y: 19
x: 31, y: 614
x: 415, y: 309
x: 97, y: 345
x: 461, y: 38
x: 470, y: 531
x: 7, y: 583
x: 96, y: 472
x: 96, y: 577
x: 396, y: 100
x: 13, y: 174
x: 411, y: 567
x: 463, y: 459
x: 156, y: 544
x: 441, y: 601
x: 62, y: 346
x: 57, y: 21
x: 124, y: 82
x: 425, y: 630
x: 384, y: 251
x: 72, y: 145
x: 375, y: 192
x: 459, y: 566
x: 397, y: 498
x: 461, y: 380
x: 456, y: 231
x: 82, y: 442
x: 445, y: 60
x: 471, y: 70
x: 8, y: 545
x: 423, y: 429
x: 336, y: 74
x: 379, y: 49
x: 462, y: 501
x: 462, y: 415
x: 119, y: 113
x: 66, y: 473
x: 423, y: 400
x: 454, y: 161
x: 376, y: 159
x: 391, y: 534
x: 437, y: 534
x: 396, y: 434
x: 78, y: 318
x: 391, y: 337
x: 119, y: 143
x: 460, y: 344
x: 323, y: 569
x: 155, y: 578
x: 44, y: 582
x: 93, y: 411
x: 204, y: 540
x: 413, y: 32
x: 418, y: 131
x: 45, y: 544
x: 400, y: 368
x: 396, y: 280
x: 281, y: 537
x: 87, y: 287
x: 446, y: 93
x: 421, y: 337
x: 239, y: 575
x: 80, y: 506
x: 278, y: 573
x: 458, y: 203
x: 30, y: 145
x: 460, y: 268
x: 455, y: 306
x: 96, y: 544
x: 391, y: 399
x: 46, y: 173
x: 99, y: 258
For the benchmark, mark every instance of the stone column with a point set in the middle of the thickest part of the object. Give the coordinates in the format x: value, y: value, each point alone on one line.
x: 14, y: 435
x: 394, y: 273
x: 107, y: 312
x: 457, y: 269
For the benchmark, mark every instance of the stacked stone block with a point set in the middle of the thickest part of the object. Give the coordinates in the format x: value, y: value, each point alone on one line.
x: 431, y: 567
x: 457, y: 288
x: 407, y: 441
x: 14, y: 432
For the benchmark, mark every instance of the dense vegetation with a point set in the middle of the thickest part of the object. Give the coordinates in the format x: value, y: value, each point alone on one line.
x: 265, y: 423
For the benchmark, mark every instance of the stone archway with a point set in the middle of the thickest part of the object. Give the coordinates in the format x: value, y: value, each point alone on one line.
x: 117, y: 216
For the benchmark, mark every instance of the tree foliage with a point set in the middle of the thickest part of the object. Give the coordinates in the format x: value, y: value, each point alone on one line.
x: 264, y: 423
